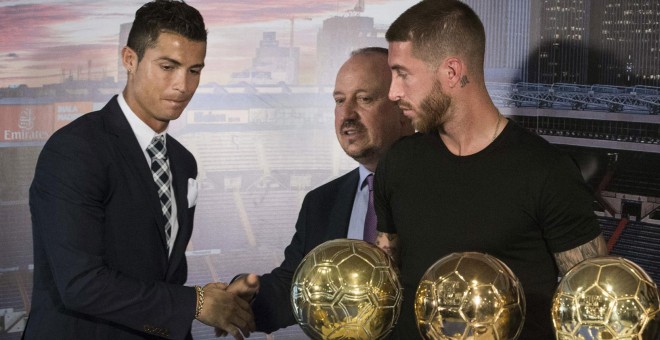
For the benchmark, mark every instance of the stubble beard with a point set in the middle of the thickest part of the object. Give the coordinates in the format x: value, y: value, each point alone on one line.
x: 433, y: 110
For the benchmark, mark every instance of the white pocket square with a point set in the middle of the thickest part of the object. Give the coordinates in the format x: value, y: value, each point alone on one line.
x: 193, y: 189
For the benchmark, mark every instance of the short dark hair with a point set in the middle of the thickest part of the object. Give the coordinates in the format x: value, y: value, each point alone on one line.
x: 159, y: 16
x: 441, y: 28
x: 368, y: 50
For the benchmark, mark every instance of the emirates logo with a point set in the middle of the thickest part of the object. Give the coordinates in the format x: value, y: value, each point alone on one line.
x: 26, y: 119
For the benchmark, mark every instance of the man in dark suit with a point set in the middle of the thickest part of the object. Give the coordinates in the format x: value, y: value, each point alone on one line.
x: 367, y: 123
x: 113, y: 201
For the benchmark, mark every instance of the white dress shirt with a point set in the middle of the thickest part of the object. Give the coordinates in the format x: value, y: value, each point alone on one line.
x: 360, y: 204
x: 144, y: 135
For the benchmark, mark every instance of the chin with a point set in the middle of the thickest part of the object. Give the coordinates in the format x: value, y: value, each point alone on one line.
x: 172, y: 115
x: 355, y: 154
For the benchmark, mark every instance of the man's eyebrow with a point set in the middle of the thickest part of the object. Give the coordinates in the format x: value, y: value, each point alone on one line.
x: 173, y: 61
x: 178, y: 63
x: 357, y: 91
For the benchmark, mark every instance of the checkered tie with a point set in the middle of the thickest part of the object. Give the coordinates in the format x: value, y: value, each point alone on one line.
x: 163, y: 179
x: 370, y: 218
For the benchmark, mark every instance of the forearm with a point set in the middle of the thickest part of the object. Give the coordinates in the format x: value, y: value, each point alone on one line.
x: 389, y: 243
x: 567, y: 259
x: 272, y: 306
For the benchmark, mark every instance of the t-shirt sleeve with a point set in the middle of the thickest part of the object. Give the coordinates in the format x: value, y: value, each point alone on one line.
x: 566, y: 207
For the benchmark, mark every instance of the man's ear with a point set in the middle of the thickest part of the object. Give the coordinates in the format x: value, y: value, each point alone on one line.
x: 450, y: 72
x: 129, y: 59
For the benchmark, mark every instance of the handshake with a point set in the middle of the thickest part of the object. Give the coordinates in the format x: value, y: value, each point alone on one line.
x: 227, y: 307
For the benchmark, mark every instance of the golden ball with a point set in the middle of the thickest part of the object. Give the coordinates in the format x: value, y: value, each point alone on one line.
x: 606, y: 298
x: 469, y: 296
x: 346, y: 289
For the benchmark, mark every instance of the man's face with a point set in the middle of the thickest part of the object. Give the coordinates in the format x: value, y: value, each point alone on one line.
x: 366, y: 122
x: 416, y: 88
x: 161, y: 85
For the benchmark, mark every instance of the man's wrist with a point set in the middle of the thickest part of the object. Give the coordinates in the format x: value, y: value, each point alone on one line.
x: 200, y: 301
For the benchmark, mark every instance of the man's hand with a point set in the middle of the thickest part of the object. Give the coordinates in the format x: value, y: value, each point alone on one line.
x: 246, y: 287
x: 226, y: 311
x: 389, y: 243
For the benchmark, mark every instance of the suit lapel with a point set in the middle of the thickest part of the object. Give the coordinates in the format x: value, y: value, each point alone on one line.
x: 180, y: 185
x: 134, y: 159
x: 340, y: 216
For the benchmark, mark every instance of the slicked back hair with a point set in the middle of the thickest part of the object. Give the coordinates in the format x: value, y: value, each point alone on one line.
x: 439, y: 29
x: 159, y: 16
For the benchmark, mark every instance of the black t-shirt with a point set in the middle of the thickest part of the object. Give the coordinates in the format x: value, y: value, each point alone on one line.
x: 520, y: 200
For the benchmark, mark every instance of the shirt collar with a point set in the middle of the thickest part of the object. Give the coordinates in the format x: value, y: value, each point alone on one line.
x: 364, y: 172
x: 142, y: 131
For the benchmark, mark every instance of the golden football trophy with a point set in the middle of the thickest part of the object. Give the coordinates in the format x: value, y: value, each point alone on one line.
x: 346, y: 289
x: 606, y: 298
x: 469, y: 296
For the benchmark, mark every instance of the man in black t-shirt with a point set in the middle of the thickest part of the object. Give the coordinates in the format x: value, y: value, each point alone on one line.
x: 471, y: 180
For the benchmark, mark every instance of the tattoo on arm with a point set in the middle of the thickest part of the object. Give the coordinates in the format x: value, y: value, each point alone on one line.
x: 389, y: 243
x: 464, y: 81
x: 567, y: 259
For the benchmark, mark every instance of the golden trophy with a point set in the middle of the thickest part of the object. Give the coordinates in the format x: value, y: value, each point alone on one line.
x: 346, y: 289
x: 469, y: 296
x: 606, y: 298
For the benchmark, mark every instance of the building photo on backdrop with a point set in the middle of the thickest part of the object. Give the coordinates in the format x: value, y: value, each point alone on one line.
x: 582, y: 74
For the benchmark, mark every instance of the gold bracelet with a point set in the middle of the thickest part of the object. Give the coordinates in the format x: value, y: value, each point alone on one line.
x: 200, y: 301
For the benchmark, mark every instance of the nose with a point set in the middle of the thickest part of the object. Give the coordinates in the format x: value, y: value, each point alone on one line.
x: 347, y: 109
x: 395, y: 90
x: 182, y: 81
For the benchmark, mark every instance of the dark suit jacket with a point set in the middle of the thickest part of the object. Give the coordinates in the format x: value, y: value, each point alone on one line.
x: 101, y: 269
x: 324, y: 216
